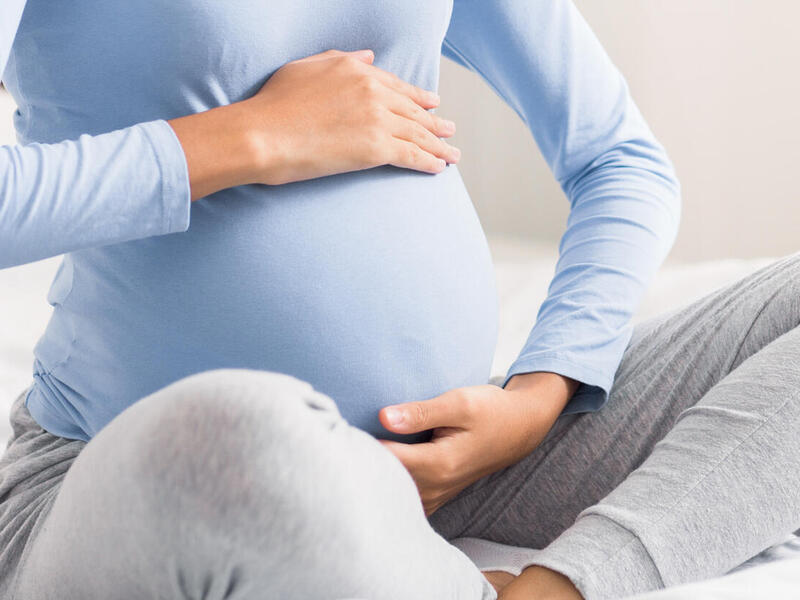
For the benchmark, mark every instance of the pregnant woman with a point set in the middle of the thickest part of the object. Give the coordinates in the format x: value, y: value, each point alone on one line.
x: 266, y: 372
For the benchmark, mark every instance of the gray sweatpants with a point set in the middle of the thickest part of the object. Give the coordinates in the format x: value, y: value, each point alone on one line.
x: 241, y: 485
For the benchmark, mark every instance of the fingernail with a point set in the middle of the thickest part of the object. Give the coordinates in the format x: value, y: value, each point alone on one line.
x: 394, y: 416
x: 449, y: 126
x: 433, y: 96
x: 456, y: 152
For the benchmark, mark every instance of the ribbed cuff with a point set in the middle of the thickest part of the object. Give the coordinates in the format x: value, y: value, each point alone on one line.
x: 602, y: 559
x: 176, y: 197
x: 491, y: 556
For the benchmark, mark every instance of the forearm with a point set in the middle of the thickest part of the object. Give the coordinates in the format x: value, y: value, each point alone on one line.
x: 96, y: 190
x: 330, y: 113
x: 118, y: 186
x: 623, y: 220
x: 543, y: 59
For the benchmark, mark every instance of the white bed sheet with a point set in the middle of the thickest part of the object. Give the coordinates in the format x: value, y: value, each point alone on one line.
x: 523, y: 272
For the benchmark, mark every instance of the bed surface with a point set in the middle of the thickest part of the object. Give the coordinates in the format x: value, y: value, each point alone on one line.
x: 523, y: 272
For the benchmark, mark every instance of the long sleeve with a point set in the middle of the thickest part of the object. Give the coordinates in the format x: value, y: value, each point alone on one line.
x: 542, y: 58
x: 113, y: 187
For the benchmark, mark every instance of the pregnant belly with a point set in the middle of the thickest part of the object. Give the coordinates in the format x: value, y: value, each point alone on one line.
x: 376, y: 287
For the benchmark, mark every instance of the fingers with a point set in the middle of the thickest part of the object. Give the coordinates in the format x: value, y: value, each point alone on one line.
x: 397, y: 108
x: 416, y: 131
x: 366, y: 55
x: 399, y: 450
x: 424, y: 98
x: 405, y: 107
x: 407, y: 155
x: 412, y: 131
x: 413, y: 456
x: 447, y: 410
x: 433, y: 472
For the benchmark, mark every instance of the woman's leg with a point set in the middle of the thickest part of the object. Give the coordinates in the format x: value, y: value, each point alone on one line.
x: 240, y: 485
x: 690, y: 469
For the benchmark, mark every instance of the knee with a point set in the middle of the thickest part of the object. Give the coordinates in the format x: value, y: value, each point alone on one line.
x: 220, y: 435
x: 231, y: 398
x: 257, y: 464
x: 233, y: 407
x: 232, y: 448
x: 776, y: 285
x: 769, y: 303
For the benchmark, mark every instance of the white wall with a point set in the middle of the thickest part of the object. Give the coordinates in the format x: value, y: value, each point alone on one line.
x: 718, y: 81
x: 6, y: 126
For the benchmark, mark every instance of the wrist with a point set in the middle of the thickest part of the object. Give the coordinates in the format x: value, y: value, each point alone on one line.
x: 267, y: 160
x: 543, y: 384
x: 540, y: 397
x: 219, y: 149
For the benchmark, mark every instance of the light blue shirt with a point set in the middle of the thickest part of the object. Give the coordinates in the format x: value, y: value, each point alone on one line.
x: 375, y: 286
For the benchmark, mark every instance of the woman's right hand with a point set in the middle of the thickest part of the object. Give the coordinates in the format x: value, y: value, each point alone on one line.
x: 328, y: 113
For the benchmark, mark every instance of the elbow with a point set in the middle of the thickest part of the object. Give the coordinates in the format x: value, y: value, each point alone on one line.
x: 6, y: 235
x: 671, y: 198
x: 655, y: 182
x: 16, y: 246
x: 636, y: 179
x: 640, y: 165
x: 8, y: 250
x: 7, y: 258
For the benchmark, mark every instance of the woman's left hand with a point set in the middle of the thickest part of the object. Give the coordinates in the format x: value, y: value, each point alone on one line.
x: 476, y: 431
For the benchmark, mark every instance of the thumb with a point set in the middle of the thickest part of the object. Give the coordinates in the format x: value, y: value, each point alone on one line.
x: 412, y: 417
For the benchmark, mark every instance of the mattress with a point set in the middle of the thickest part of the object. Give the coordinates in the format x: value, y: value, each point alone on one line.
x: 523, y: 271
